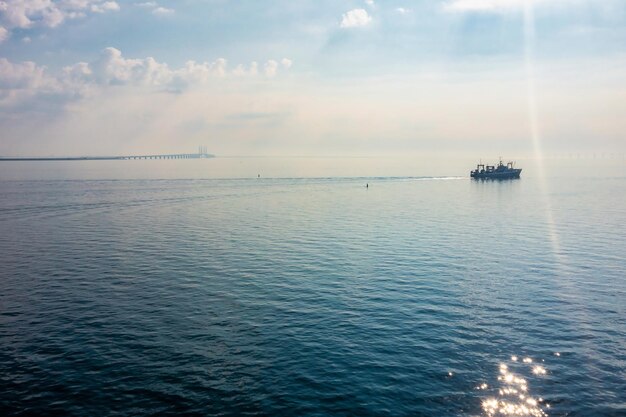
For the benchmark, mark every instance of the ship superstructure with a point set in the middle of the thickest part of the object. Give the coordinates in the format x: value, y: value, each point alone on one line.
x: 499, y: 171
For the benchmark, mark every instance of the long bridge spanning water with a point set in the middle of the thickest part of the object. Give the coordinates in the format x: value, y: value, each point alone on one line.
x: 202, y: 153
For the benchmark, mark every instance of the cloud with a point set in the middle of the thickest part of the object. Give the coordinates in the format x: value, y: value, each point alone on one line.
x: 195, y: 74
x: 4, y: 34
x: 241, y: 70
x: 403, y: 10
x: 156, y: 9
x: 109, y: 6
x: 26, y: 14
x: 112, y: 68
x: 162, y: 11
x: 355, y: 18
x: 16, y: 14
x: 270, y: 68
x: 20, y: 76
x: 20, y: 82
x: 26, y: 88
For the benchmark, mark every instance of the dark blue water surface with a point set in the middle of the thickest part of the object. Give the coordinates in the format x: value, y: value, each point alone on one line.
x: 313, y: 297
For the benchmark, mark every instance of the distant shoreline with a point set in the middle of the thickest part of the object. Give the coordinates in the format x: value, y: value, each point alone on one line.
x: 106, y: 158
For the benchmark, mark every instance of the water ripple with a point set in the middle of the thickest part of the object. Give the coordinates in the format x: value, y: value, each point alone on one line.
x: 311, y: 297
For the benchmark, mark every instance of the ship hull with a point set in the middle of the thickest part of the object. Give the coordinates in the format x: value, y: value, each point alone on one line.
x: 507, y: 175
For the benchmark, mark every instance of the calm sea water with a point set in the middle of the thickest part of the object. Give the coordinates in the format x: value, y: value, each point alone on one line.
x: 135, y: 289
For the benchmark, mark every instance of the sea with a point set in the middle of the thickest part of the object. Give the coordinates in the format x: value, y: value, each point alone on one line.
x: 297, y: 286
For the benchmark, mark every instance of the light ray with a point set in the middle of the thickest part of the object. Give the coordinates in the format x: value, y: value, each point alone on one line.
x: 535, y: 134
x: 562, y: 263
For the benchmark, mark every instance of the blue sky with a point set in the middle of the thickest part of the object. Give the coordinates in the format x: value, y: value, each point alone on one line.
x: 310, y: 77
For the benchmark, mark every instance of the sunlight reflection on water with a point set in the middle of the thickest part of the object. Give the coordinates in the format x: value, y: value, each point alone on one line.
x: 514, y: 397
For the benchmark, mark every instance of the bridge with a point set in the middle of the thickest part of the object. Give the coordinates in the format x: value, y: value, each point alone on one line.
x: 201, y: 154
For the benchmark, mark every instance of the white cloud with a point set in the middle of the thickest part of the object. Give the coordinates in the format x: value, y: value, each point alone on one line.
x: 108, y: 6
x: 15, y: 14
x: 271, y: 67
x: 52, y: 17
x: 113, y: 68
x: 78, y: 71
x: 25, y: 14
x: 22, y: 81
x: 194, y: 73
x: 241, y: 70
x: 4, y: 34
x: 355, y: 18
x: 403, y: 10
x: 20, y: 76
x: 162, y: 11
x: 156, y: 9
x: 369, y: 2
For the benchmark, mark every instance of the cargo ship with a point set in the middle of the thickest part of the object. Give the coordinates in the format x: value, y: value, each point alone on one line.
x: 496, y: 172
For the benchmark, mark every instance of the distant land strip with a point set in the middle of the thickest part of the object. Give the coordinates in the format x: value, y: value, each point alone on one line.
x: 108, y: 158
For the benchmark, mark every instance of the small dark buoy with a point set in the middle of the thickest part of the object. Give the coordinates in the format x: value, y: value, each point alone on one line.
x: 367, y: 185
x: 259, y: 176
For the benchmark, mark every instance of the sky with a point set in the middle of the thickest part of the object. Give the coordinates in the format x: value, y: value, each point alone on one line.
x: 311, y: 77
